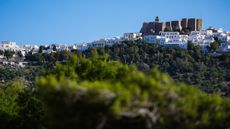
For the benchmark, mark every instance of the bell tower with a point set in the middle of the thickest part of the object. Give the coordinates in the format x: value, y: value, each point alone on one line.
x: 157, y: 19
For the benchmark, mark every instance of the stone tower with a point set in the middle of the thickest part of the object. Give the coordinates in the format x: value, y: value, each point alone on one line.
x: 184, y: 23
x: 199, y: 24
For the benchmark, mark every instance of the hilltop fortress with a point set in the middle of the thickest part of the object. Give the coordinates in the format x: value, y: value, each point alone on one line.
x: 186, y: 24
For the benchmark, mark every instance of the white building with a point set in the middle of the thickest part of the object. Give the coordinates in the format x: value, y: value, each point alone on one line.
x: 132, y: 36
x: 196, y: 39
x: 82, y: 46
x: 114, y: 40
x: 155, y: 39
x: 98, y: 43
x: 105, y: 42
x: 8, y: 45
x: 203, y: 38
x: 170, y: 35
x: 175, y: 39
x: 202, y: 32
x: 224, y: 47
x: 62, y: 48
x: 223, y: 37
x: 28, y: 48
x: 181, y: 41
x: 168, y: 39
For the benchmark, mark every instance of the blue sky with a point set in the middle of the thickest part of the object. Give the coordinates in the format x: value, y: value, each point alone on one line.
x: 73, y: 21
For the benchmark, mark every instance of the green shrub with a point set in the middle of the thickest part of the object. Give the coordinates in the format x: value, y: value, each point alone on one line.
x: 20, y: 108
x: 97, y: 93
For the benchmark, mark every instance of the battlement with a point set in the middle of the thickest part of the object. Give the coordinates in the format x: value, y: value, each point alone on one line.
x: 154, y: 27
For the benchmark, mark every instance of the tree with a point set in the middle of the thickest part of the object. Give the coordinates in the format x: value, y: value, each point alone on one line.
x: 182, y: 65
x: 19, y: 53
x: 37, y: 57
x: 191, y: 46
x: 20, y: 108
x: 63, y: 55
x: 215, y: 45
x: 1, y: 52
x: 96, y: 93
x: 41, y: 48
x: 8, y: 54
x: 54, y: 48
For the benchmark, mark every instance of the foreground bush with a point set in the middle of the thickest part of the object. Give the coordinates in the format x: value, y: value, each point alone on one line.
x: 99, y: 94
x: 20, y: 108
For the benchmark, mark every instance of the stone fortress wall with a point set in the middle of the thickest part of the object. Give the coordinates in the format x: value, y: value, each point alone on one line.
x: 155, y: 27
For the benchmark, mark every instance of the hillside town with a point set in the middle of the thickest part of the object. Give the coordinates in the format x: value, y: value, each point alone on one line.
x: 168, y: 34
